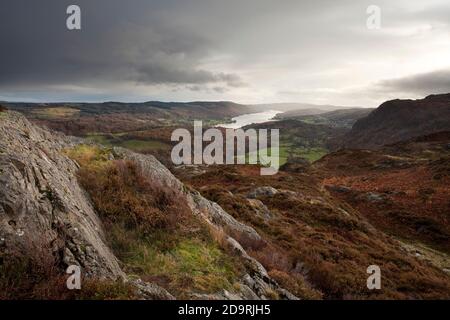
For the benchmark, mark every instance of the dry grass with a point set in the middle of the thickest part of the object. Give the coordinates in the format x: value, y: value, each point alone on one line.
x: 151, y: 228
x: 56, y: 112
x: 121, y: 193
x: 31, y: 271
x: 318, y: 246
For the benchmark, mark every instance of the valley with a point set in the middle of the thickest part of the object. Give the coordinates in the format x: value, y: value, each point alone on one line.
x: 225, y: 231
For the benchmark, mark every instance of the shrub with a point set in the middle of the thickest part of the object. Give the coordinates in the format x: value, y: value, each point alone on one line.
x: 31, y: 271
x: 151, y: 228
x: 296, y: 284
x: 121, y: 193
x: 28, y: 271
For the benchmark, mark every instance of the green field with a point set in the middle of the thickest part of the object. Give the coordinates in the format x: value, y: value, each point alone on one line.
x: 119, y: 140
x: 143, y: 145
x: 286, y: 151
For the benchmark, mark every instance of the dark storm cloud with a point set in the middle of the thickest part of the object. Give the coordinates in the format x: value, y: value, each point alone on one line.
x: 119, y: 42
x: 245, y: 50
x: 422, y: 84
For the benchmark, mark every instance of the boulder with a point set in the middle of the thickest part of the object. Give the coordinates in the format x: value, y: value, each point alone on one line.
x: 266, y: 191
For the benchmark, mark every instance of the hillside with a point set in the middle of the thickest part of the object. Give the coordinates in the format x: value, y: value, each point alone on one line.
x: 134, y: 229
x: 140, y: 231
x: 319, y: 244
x: 299, y: 139
x: 296, y: 108
x: 401, y: 189
x: 115, y: 117
x: 343, y: 118
x: 399, y: 120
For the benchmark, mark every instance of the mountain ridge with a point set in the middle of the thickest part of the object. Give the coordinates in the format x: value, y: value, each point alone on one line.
x: 397, y: 120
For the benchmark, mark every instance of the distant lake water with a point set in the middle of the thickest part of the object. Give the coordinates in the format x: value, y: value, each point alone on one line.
x: 250, y: 118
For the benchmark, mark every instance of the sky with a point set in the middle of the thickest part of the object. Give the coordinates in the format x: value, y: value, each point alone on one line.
x: 246, y: 51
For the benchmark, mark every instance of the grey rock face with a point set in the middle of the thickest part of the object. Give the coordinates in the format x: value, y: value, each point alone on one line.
x: 374, y: 197
x: 151, y: 291
x: 41, y: 201
x: 262, y: 191
x: 260, y: 208
x: 257, y: 280
x: 215, y: 215
x: 208, y: 210
x: 256, y: 284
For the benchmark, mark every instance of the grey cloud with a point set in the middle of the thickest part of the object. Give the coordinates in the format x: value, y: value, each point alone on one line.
x: 119, y: 43
x: 161, y: 73
x: 269, y: 49
x: 425, y: 83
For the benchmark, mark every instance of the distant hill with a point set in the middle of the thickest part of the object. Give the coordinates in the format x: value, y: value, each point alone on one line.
x: 196, y: 108
x: 295, y: 108
x: 342, y: 118
x: 399, y: 120
x: 85, y: 118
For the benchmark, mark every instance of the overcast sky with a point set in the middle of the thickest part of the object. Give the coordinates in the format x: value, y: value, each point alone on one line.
x: 247, y: 51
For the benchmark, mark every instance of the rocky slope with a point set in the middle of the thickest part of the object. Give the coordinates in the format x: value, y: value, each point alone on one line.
x: 401, y: 188
x: 256, y: 282
x: 40, y: 199
x: 399, y: 120
x: 42, y: 204
x: 325, y: 223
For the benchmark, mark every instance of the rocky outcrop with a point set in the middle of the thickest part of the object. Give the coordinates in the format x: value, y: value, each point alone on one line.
x: 210, y: 211
x: 267, y: 191
x: 400, y: 120
x: 260, y: 209
x: 41, y: 201
x: 151, y: 291
x: 256, y: 284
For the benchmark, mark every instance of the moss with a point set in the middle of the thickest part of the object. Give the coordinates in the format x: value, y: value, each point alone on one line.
x: 183, y: 264
x: 94, y: 289
x: 89, y: 155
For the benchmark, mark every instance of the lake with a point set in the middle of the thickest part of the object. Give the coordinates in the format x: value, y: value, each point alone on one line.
x: 250, y: 118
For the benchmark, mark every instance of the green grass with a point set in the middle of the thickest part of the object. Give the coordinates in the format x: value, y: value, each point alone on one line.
x: 143, y: 145
x: 136, y: 145
x: 286, y: 151
x: 311, y: 154
x: 99, y: 138
x: 180, y: 264
x: 89, y: 155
